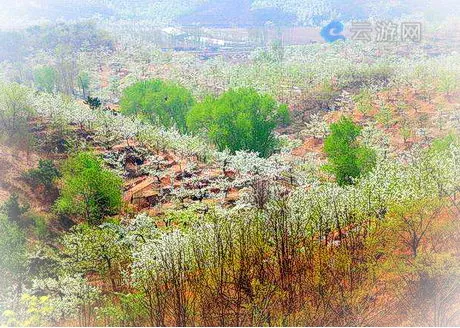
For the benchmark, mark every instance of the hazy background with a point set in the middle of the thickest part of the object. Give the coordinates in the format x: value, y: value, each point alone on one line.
x: 220, y: 13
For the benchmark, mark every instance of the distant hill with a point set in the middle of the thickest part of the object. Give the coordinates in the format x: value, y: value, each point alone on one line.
x: 228, y: 13
x: 221, y: 13
x: 24, y: 12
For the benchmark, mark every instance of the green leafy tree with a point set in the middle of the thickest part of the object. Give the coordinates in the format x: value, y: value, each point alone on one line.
x: 88, y: 189
x: 158, y: 101
x: 347, y: 159
x: 15, y: 110
x: 45, y: 78
x: 240, y: 119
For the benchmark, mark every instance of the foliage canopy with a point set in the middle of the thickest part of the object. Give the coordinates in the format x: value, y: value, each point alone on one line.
x: 88, y: 189
x: 347, y: 159
x: 158, y: 101
x: 240, y: 119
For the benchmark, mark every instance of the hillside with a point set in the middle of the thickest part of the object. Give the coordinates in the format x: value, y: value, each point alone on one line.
x: 171, y: 163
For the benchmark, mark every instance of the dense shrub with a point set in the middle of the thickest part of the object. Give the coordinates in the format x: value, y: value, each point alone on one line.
x: 93, y: 102
x: 158, y: 102
x: 240, y: 119
x: 88, y: 190
x: 347, y: 159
